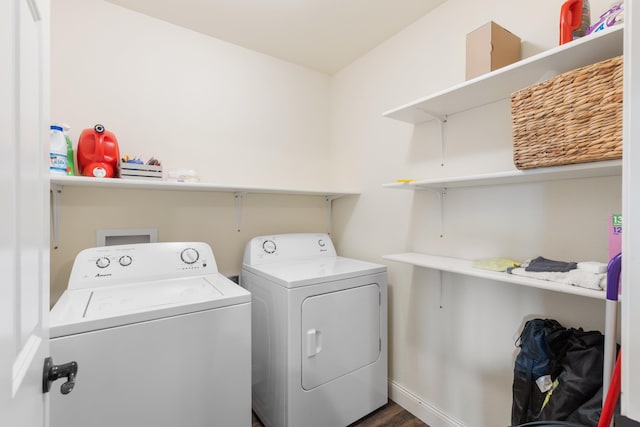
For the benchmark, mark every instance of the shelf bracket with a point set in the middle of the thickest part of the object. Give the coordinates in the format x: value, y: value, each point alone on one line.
x: 329, y: 199
x: 440, y: 296
x: 238, y: 205
x: 56, y: 201
x: 441, y: 193
x: 443, y: 132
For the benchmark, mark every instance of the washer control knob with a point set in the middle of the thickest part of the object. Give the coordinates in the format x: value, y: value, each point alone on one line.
x: 125, y: 260
x: 269, y: 246
x: 321, y: 243
x: 189, y: 256
x: 103, y: 262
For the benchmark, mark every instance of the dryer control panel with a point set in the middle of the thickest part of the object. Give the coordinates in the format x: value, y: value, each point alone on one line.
x: 285, y: 247
x: 111, y: 265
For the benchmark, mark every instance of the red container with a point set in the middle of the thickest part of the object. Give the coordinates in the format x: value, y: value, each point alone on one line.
x: 98, y: 153
x: 570, y: 19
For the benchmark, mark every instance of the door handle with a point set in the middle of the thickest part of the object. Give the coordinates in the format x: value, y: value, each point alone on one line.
x: 314, y: 342
x: 53, y: 372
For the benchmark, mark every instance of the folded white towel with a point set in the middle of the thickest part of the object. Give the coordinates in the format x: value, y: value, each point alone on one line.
x: 593, y: 266
x: 576, y: 277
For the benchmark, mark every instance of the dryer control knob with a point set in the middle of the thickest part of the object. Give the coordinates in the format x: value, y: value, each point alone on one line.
x: 269, y: 246
x: 103, y: 262
x: 189, y: 256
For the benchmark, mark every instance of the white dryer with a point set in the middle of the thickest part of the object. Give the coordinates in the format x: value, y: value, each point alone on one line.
x: 319, y: 332
x: 160, y: 338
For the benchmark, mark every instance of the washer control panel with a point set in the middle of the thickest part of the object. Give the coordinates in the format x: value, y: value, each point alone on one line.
x: 110, y: 265
x: 283, y: 247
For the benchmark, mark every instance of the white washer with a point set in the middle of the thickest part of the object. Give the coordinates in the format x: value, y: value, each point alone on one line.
x: 160, y: 337
x: 319, y: 332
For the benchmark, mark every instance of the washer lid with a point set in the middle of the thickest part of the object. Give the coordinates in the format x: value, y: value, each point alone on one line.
x: 89, y: 309
x: 306, y: 272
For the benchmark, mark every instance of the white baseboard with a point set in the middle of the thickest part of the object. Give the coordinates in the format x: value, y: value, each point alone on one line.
x: 427, y: 412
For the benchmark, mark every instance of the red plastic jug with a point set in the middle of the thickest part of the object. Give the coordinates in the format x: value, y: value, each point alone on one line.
x: 571, y: 17
x: 98, y: 153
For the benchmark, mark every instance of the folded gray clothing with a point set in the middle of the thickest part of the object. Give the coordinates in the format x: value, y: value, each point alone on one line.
x: 541, y: 264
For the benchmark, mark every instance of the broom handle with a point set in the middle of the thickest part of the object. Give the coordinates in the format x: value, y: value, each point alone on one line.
x: 611, y: 321
x: 612, y: 397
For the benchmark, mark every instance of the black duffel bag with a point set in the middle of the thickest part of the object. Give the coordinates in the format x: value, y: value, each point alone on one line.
x: 557, y: 375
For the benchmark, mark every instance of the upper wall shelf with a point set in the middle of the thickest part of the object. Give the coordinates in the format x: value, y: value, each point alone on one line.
x: 554, y: 173
x: 59, y: 182
x: 147, y: 184
x: 501, y: 83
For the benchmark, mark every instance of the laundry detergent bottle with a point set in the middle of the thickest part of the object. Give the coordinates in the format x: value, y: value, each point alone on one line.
x: 70, y: 163
x: 57, y: 151
x: 575, y: 18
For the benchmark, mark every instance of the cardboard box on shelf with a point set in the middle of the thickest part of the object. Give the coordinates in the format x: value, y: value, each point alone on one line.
x: 490, y: 47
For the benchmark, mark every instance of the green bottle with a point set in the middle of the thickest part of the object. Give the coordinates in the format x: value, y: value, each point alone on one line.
x: 70, y: 163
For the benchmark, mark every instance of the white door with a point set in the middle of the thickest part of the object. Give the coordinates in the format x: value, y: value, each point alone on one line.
x: 24, y: 216
x: 630, y: 398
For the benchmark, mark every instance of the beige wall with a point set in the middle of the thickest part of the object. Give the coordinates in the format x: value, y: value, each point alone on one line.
x: 192, y: 101
x: 241, y: 118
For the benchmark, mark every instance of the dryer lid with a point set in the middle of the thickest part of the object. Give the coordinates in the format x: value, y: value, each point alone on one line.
x: 316, y: 270
x: 88, y: 309
x: 105, y: 302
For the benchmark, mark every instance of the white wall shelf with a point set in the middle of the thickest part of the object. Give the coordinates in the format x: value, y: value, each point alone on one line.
x: 148, y: 184
x: 554, y: 173
x: 464, y: 267
x: 501, y: 83
x: 59, y: 182
x: 489, y: 88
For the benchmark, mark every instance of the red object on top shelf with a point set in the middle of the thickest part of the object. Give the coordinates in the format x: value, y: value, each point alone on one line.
x: 98, y: 153
x: 570, y: 19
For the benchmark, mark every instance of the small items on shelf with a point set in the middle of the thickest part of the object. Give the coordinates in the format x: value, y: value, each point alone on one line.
x: 585, y: 274
x: 496, y: 263
x: 134, y: 168
x: 465, y: 267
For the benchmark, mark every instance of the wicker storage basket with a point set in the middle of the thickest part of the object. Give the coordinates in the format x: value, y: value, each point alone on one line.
x: 575, y: 117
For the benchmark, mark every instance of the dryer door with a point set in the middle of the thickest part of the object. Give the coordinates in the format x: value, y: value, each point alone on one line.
x: 340, y: 333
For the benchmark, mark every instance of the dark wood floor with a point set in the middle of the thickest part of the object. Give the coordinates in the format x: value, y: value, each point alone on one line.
x: 390, y: 415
